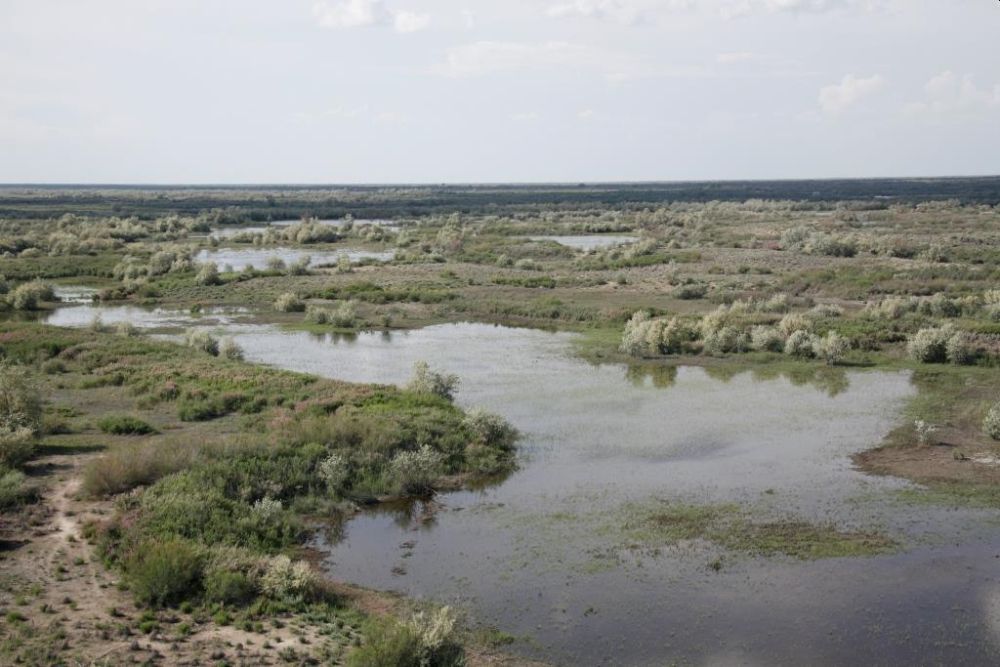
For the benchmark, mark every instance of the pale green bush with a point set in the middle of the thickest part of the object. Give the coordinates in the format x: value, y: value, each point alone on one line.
x: 229, y: 349
x: 16, y: 446
x: 793, y: 322
x: 28, y: 296
x: 208, y: 274
x: 20, y: 401
x: 801, y: 344
x: 266, y: 509
x: 961, y: 349
x: 126, y: 329
x: 416, y: 472
x: 289, y: 303
x: 335, y: 471
x: 726, y: 339
x: 832, y: 348
x: 287, y: 580
x: 991, y: 423
x: 200, y: 339
x: 426, y: 381
x: 930, y: 346
x: 490, y: 429
x: 767, y: 339
x: 433, y: 629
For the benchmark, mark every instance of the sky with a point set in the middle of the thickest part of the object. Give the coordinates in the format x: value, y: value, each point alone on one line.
x: 435, y: 91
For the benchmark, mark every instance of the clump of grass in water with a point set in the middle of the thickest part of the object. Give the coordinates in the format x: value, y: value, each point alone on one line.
x: 732, y: 528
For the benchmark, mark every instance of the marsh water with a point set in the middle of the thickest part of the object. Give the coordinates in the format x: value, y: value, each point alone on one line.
x: 588, y: 241
x: 547, y: 555
x: 258, y: 258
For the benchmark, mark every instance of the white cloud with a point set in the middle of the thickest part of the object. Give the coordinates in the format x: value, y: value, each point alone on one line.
x: 524, y: 117
x: 735, y: 57
x: 610, y: 10
x: 839, y: 97
x: 486, y: 57
x: 947, y: 94
x: 736, y: 8
x: 367, y: 13
x: 410, y: 21
x: 586, y: 114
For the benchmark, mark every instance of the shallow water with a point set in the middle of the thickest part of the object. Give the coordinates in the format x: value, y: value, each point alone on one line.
x: 542, y: 555
x: 230, y: 232
x: 241, y: 258
x: 588, y: 241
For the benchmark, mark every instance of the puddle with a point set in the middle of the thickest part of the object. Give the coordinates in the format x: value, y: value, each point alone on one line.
x: 588, y: 241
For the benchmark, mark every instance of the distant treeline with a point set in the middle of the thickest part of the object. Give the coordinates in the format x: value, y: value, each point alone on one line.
x: 237, y: 204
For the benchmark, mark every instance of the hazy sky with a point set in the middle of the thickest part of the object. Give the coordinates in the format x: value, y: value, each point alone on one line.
x: 349, y: 91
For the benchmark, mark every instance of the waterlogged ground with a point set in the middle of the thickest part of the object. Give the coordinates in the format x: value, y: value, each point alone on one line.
x: 575, y: 553
x: 230, y: 232
x: 241, y: 258
x: 588, y: 242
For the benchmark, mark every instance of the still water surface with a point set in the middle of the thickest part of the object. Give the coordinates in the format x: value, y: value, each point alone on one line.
x: 540, y: 554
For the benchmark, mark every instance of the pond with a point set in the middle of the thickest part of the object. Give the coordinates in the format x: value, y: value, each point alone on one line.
x: 232, y: 231
x: 258, y: 258
x: 544, y: 554
x: 588, y: 242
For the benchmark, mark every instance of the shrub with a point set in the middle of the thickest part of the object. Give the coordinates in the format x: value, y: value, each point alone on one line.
x: 20, y: 402
x: 126, y: 329
x: 28, y: 296
x: 287, y: 580
x: 991, y: 423
x: 135, y: 464
x: 832, y: 348
x: 232, y: 588
x: 165, y: 573
x: 335, y: 471
x: 416, y: 472
x: 801, y: 344
x: 124, y: 425
x: 208, y: 274
x: 229, y: 349
x: 634, y: 338
x: 200, y: 339
x: 16, y: 446
x: 691, y: 292
x: 767, y: 339
x: 490, y: 429
x: 425, y: 640
x: 426, y: 381
x: 960, y: 349
x: 726, y: 339
x: 289, y: 303
x: 13, y: 490
x: 793, y: 322
x: 930, y: 346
